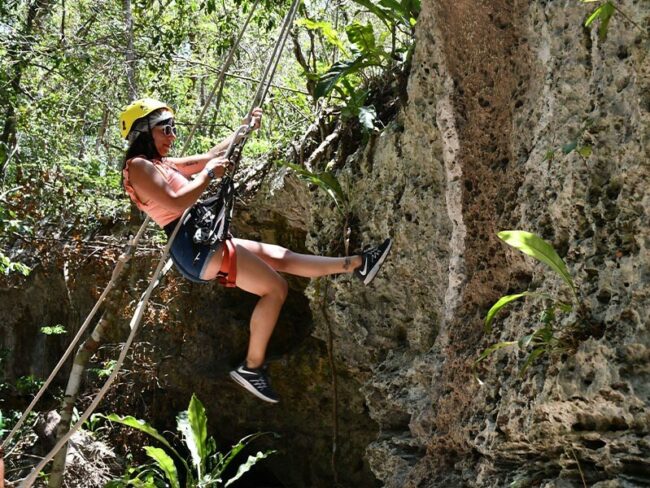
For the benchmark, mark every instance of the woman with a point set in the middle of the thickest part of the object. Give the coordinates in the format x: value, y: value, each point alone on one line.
x: 160, y: 186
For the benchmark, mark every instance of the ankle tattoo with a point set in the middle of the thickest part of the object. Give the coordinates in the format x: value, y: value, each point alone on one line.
x: 347, y: 263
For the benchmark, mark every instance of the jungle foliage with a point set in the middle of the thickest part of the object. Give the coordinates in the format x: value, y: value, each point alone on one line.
x: 543, y: 339
x: 69, y: 67
x: 206, y: 465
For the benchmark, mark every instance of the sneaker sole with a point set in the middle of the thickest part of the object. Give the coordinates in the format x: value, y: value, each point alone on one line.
x: 373, y: 272
x: 242, y: 382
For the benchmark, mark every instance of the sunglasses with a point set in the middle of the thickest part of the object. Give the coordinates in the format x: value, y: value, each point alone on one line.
x: 169, y: 127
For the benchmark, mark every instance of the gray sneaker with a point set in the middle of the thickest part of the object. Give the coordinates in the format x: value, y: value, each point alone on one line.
x: 371, y: 261
x: 255, y: 381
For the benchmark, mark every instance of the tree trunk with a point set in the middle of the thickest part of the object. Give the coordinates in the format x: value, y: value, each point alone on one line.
x: 85, y: 352
x: 135, y: 216
x: 9, y: 100
x: 103, y: 329
x: 132, y: 88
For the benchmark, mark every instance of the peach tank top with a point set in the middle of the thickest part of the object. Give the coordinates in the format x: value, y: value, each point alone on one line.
x: 159, y: 214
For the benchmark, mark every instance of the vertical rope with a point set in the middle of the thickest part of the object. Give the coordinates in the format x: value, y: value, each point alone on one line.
x: 135, y: 321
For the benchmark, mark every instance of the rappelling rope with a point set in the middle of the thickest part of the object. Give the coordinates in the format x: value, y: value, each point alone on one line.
x: 135, y: 321
x: 133, y: 243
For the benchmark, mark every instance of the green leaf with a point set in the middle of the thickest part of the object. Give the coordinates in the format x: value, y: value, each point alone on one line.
x: 194, y: 426
x: 165, y: 463
x: 532, y: 357
x: 367, y: 116
x: 525, y: 341
x: 142, y: 426
x: 502, y: 302
x: 224, y: 461
x: 567, y: 148
x: 336, y: 72
x: 493, y: 348
x: 538, y: 248
x: 325, y: 180
x: 384, y: 14
x: 354, y: 104
x: 328, y: 31
x: 363, y: 37
x: 593, y: 16
x: 585, y: 151
x: 604, y: 13
x: 549, y: 155
x: 57, y: 329
x: 250, y: 462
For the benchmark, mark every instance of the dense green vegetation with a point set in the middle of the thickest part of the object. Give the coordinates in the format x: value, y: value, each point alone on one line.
x: 71, y: 66
x: 206, y: 465
x: 548, y: 334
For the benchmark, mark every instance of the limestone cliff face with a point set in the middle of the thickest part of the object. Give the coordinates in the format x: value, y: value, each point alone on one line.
x: 494, y: 88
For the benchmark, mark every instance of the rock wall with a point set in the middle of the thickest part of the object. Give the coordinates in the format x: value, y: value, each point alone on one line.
x: 496, y: 90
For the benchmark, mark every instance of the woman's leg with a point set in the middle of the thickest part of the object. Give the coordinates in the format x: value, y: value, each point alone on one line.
x: 308, y: 266
x: 255, y: 276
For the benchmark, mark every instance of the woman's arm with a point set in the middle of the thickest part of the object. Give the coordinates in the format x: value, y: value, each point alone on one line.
x: 149, y: 184
x: 190, y: 165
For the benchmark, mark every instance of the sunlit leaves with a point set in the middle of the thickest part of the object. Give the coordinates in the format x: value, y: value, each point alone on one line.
x: 603, y: 13
x: 543, y: 339
x: 325, y: 181
x: 538, y: 248
x: 208, y: 464
x: 53, y: 330
x: 328, y: 31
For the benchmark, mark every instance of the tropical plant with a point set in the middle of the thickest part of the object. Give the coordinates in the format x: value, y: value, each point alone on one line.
x: 327, y: 182
x: 603, y: 13
x: 543, y: 339
x: 207, y: 465
x: 365, y: 46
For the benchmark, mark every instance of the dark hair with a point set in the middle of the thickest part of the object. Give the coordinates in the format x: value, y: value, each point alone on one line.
x: 143, y: 145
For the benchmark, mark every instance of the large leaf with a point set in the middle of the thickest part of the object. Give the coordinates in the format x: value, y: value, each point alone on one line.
x: 502, y: 302
x: 194, y: 425
x: 327, y: 30
x: 165, y: 463
x: 338, y: 70
x: 140, y: 425
x: 603, y: 12
x: 224, y: 461
x: 143, y: 426
x: 383, y: 13
x: 250, y: 462
x: 538, y: 248
x: 325, y: 180
x: 355, y: 103
x: 494, y: 348
x: 363, y: 37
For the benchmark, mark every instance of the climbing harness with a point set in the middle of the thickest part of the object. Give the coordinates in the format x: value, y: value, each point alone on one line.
x: 233, y: 154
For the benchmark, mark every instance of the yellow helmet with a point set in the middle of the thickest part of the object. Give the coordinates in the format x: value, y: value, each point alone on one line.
x: 136, y: 110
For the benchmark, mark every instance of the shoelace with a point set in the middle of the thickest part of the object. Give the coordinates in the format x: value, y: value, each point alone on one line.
x: 373, y: 253
x: 259, y: 383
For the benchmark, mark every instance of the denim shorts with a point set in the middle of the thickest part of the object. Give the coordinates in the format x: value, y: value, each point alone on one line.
x: 190, y: 258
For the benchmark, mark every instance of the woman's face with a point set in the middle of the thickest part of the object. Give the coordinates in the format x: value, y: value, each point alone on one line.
x: 164, y: 135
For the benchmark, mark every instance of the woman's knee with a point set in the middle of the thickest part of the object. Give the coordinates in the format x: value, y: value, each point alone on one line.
x: 281, y: 288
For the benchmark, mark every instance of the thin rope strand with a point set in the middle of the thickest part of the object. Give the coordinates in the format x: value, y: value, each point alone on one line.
x: 135, y: 322
x: 116, y: 272
x: 126, y: 255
